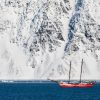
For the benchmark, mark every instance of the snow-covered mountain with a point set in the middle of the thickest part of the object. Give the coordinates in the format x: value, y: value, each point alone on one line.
x: 39, y: 38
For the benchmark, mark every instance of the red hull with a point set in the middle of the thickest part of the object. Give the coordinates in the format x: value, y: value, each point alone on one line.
x: 81, y: 85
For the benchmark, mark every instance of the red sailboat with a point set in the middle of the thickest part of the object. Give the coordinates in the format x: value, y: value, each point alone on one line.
x: 81, y: 84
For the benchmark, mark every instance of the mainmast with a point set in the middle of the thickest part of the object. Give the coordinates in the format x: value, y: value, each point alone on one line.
x: 81, y: 71
x: 69, y: 72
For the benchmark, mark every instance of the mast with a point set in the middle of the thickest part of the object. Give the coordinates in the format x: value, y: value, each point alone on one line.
x: 81, y: 71
x: 69, y: 72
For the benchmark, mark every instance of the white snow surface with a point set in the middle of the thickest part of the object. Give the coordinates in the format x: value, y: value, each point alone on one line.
x: 39, y: 38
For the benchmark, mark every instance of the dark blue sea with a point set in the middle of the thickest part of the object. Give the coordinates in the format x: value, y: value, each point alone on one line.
x: 46, y: 91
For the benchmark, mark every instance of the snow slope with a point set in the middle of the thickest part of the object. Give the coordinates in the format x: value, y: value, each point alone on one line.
x: 39, y: 38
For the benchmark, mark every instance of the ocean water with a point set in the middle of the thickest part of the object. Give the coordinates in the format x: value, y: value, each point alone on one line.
x: 46, y: 91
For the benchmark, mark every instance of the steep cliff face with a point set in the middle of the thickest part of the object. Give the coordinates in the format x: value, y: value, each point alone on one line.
x: 40, y: 38
x: 84, y: 38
